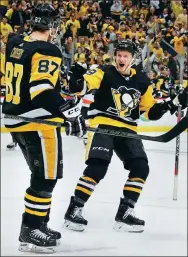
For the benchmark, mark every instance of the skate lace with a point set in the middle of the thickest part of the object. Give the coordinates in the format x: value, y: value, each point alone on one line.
x: 49, y: 229
x: 39, y: 234
x: 130, y: 212
x: 77, y: 212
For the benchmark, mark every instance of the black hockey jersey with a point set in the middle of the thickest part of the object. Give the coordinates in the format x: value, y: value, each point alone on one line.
x: 119, y: 99
x: 31, y: 68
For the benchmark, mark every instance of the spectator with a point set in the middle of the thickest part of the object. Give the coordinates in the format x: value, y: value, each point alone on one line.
x: 5, y: 29
x: 182, y: 17
x: 68, y: 52
x: 75, y: 25
x: 109, y: 38
x: 10, y: 11
x: 17, y: 18
x: 116, y: 10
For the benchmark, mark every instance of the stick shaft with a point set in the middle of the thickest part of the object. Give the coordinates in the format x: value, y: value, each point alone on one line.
x: 176, y: 168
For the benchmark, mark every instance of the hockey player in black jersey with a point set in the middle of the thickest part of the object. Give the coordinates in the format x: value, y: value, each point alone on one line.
x: 121, y: 95
x: 33, y: 90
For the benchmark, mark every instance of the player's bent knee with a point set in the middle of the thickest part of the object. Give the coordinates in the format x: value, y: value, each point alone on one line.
x: 43, y: 186
x: 96, y: 169
x: 139, y: 168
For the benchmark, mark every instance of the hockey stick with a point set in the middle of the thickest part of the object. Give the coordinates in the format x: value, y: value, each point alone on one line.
x: 171, y: 134
x: 176, y: 169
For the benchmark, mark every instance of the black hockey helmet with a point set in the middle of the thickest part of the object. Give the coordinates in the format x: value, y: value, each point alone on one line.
x: 126, y: 45
x: 44, y: 17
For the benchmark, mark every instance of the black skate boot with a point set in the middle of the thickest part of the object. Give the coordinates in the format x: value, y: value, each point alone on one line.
x: 34, y: 240
x: 50, y: 232
x: 73, y: 217
x: 11, y: 146
x: 126, y: 220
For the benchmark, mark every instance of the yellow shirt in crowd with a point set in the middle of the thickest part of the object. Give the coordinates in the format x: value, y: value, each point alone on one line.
x: 4, y: 2
x: 9, y: 13
x: 5, y: 29
x: 158, y: 52
x: 178, y: 45
x: 75, y: 26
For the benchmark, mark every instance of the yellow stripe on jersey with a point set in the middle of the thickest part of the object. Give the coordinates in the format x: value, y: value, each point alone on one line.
x: 37, y: 213
x: 37, y: 199
x: 112, y: 122
x: 2, y: 70
x: 94, y: 78
x: 36, y: 90
x: 45, y: 67
x: 147, y: 101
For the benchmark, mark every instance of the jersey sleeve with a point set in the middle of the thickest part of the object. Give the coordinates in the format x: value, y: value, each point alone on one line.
x: 93, y: 79
x: 147, y: 101
x: 45, y: 67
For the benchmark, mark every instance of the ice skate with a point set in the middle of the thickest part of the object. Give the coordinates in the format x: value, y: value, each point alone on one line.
x: 126, y: 220
x: 11, y: 146
x: 50, y: 232
x: 73, y: 217
x: 34, y: 240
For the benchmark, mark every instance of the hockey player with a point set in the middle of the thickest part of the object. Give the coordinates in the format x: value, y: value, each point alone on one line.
x: 121, y: 96
x: 33, y: 90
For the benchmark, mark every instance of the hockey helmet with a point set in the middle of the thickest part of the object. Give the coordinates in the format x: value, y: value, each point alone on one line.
x: 126, y: 45
x: 44, y: 17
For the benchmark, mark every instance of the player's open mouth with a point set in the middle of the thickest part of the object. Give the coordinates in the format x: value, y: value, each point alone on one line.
x: 121, y: 65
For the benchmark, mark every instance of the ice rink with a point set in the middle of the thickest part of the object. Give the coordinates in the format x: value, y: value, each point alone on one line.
x: 166, y: 220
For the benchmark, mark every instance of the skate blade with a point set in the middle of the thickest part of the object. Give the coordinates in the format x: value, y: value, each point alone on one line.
x: 10, y: 149
x: 73, y: 226
x: 122, y: 227
x: 27, y: 247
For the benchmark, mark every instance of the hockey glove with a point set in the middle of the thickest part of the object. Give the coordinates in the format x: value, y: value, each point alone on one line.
x: 74, y: 122
x: 183, y: 98
x: 180, y: 99
x: 75, y: 77
x: 159, y: 109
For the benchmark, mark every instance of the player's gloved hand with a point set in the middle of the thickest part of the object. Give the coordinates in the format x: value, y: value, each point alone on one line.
x: 75, y: 77
x: 78, y: 70
x: 172, y: 105
x: 183, y: 98
x: 74, y: 122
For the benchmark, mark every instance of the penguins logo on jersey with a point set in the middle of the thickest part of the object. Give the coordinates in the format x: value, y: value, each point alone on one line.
x: 125, y: 101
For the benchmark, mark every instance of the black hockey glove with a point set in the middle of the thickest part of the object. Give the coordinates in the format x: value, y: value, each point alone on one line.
x: 75, y: 77
x: 74, y: 122
x: 159, y: 109
x: 183, y: 98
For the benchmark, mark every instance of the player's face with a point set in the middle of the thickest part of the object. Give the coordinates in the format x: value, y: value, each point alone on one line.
x: 123, y: 60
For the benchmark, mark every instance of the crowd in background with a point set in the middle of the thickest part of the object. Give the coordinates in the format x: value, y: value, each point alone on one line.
x: 90, y: 30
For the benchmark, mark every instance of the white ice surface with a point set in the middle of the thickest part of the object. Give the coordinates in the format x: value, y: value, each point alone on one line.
x: 166, y: 220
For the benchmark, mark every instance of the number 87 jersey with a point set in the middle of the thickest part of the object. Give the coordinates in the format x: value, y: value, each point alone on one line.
x: 32, y: 81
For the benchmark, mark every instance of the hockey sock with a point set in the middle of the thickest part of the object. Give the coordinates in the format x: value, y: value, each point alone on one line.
x: 133, y: 188
x: 84, y: 188
x: 36, y: 208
